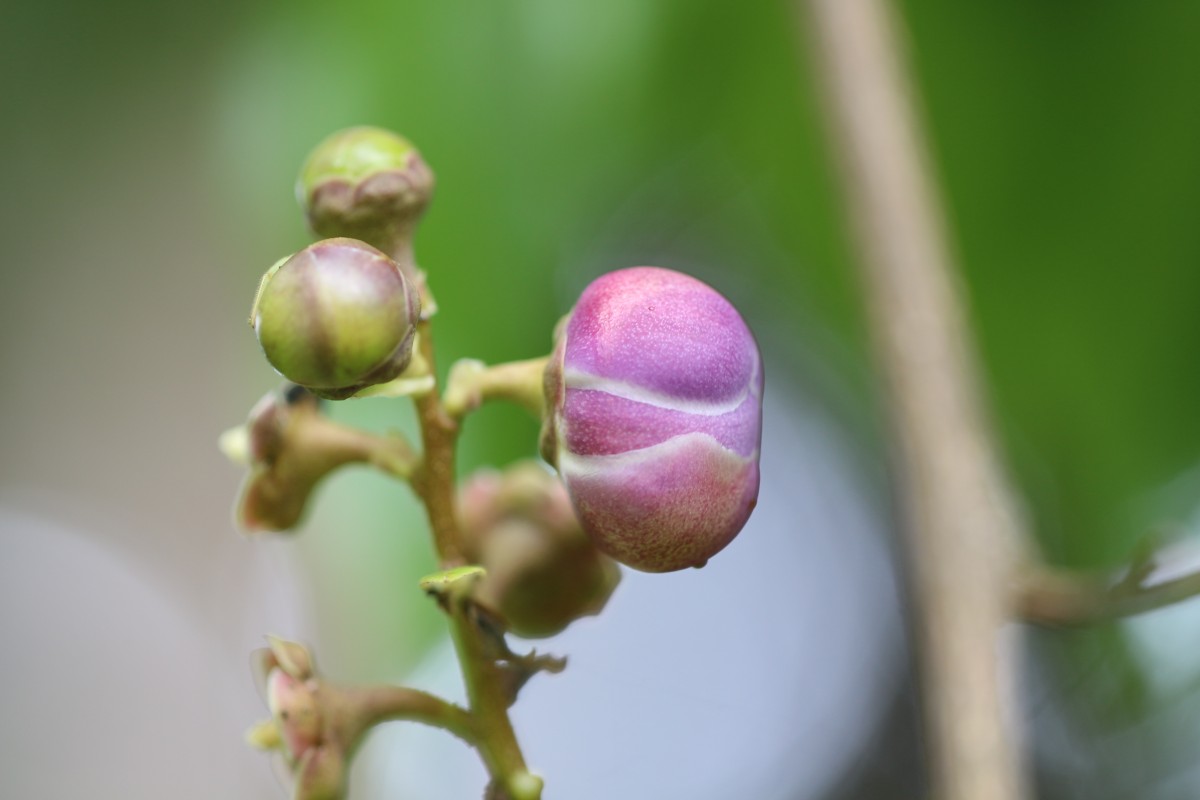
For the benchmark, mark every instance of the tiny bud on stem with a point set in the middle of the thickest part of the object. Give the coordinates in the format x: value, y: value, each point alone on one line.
x: 366, y: 183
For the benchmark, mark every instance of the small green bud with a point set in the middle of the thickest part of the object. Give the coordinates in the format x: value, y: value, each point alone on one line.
x: 293, y: 658
x: 367, y: 183
x: 337, y: 317
x: 525, y: 785
x: 297, y: 662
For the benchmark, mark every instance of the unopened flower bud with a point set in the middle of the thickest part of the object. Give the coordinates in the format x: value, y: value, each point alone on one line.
x: 314, y: 723
x: 282, y: 475
x: 292, y: 657
x: 285, y: 465
x: 294, y: 709
x: 654, y: 402
x: 367, y: 183
x: 542, y: 571
x: 337, y: 317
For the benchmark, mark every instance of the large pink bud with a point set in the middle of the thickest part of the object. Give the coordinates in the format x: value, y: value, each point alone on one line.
x: 654, y: 397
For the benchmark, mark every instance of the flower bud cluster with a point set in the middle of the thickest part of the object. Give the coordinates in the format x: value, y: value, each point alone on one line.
x: 652, y: 417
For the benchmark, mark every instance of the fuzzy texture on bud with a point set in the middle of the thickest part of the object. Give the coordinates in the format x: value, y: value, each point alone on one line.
x: 337, y: 317
x: 654, y: 398
x: 367, y: 183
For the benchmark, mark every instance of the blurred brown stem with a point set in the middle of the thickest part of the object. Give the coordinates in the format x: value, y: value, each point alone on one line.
x: 373, y: 705
x: 959, y: 519
x: 1060, y: 598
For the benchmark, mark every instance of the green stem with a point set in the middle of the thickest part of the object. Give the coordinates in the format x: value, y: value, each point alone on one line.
x: 375, y: 704
x: 391, y: 454
x: 486, y: 692
x: 435, y: 479
x: 472, y: 383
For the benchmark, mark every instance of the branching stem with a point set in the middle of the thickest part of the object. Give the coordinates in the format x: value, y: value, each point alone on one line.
x: 472, y: 383
x: 1060, y: 598
x: 486, y: 690
x: 391, y: 454
x: 376, y: 704
x: 435, y: 479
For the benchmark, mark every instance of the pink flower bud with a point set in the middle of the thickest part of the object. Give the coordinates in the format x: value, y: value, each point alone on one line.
x: 294, y: 709
x: 543, y: 573
x: 655, y: 401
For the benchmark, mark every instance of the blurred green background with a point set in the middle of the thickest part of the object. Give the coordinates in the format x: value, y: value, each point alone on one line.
x: 148, y: 152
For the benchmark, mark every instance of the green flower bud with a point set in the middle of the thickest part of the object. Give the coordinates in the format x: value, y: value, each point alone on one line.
x: 337, y: 317
x: 293, y: 658
x: 367, y: 183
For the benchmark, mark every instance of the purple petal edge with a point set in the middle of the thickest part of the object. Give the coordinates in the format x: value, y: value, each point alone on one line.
x: 666, y: 508
x: 663, y: 331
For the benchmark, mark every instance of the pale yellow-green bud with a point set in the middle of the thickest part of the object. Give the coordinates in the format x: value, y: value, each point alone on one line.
x: 337, y: 317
